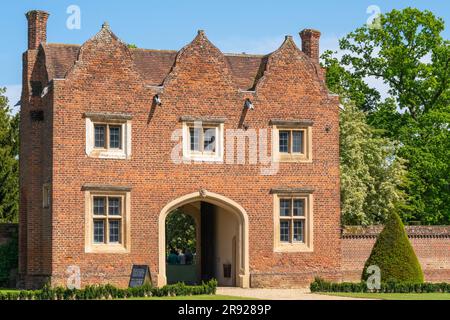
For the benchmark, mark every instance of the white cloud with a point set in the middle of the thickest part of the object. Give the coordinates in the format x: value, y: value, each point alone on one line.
x: 13, y: 92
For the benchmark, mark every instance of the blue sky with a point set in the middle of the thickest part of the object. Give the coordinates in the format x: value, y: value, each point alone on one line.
x: 233, y: 26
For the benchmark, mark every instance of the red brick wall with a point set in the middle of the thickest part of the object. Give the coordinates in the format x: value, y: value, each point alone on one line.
x: 431, y: 244
x: 104, y: 79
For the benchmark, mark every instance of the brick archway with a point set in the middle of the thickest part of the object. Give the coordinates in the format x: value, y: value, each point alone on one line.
x: 243, y: 278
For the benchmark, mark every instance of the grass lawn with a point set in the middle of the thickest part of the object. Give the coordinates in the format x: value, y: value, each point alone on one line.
x: 200, y: 297
x: 393, y: 296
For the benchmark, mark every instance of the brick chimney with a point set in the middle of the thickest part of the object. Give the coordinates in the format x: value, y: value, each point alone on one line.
x: 37, y: 28
x: 310, y: 43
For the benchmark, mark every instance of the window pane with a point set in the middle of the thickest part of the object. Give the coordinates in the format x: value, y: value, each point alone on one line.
x: 99, y: 206
x: 99, y: 136
x: 285, y: 207
x: 297, y: 141
x: 114, y: 231
x: 299, y: 207
x: 299, y: 230
x: 115, y: 137
x: 284, y: 141
x: 99, y: 231
x: 209, y: 135
x: 285, y: 231
x: 114, y: 206
x: 195, y: 139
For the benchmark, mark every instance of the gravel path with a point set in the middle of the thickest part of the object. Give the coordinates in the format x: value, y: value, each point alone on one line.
x: 278, y: 294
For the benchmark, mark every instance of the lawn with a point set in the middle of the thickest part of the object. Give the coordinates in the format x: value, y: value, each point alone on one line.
x: 393, y: 296
x: 200, y: 297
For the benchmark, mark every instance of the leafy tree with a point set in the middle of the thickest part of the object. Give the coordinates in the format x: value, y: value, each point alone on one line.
x: 9, y: 165
x: 181, y: 231
x: 394, y: 255
x: 371, y: 171
x: 408, y: 54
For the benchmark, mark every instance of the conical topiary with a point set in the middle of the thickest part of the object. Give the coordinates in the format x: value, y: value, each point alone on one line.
x: 394, y: 254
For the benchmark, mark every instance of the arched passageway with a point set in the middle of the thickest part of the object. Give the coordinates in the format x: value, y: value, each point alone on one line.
x: 221, y: 239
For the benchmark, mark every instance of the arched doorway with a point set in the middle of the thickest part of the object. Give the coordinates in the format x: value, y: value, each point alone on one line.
x: 223, y: 238
x: 183, y: 245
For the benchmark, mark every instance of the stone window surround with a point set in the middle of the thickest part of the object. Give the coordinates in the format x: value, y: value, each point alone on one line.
x: 294, y: 193
x: 118, y: 119
x: 303, y: 125
x: 211, y: 122
x: 91, y: 191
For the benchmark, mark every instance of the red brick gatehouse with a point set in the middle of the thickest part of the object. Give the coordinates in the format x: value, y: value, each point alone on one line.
x: 113, y: 139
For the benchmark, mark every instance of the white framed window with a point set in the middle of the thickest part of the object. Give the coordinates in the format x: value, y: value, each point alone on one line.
x: 292, y: 141
x: 293, y: 222
x: 108, y: 136
x: 203, y: 141
x: 107, y: 221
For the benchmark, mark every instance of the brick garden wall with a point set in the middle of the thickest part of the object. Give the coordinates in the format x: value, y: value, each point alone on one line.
x: 431, y: 244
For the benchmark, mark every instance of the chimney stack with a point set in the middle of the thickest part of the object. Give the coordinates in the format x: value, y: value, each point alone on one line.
x: 310, y: 43
x: 37, y: 28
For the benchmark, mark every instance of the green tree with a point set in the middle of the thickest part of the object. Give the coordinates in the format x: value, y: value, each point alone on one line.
x: 409, y: 55
x: 9, y: 164
x: 181, y: 231
x: 394, y: 255
x: 371, y: 171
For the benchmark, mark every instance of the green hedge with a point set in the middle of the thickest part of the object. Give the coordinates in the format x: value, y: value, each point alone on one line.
x: 320, y: 285
x: 110, y: 292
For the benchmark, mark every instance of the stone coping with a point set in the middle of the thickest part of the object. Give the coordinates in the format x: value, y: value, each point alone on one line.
x: 412, y: 231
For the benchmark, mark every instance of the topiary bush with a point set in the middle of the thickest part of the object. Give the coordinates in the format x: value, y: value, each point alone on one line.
x: 394, y: 255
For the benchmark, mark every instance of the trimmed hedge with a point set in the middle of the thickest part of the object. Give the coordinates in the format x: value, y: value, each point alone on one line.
x: 101, y: 292
x: 320, y: 285
x: 394, y: 255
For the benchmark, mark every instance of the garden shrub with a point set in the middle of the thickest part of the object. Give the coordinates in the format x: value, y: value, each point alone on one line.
x: 394, y: 254
x: 98, y: 292
x: 320, y: 285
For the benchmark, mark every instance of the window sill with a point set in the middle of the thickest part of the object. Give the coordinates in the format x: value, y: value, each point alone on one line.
x: 198, y: 158
x: 293, y: 248
x: 107, y: 248
x: 293, y: 158
x: 120, y: 155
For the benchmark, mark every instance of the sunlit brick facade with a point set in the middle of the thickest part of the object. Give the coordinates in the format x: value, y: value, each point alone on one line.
x: 75, y: 96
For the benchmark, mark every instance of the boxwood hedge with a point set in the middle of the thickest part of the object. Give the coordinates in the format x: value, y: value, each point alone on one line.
x: 320, y: 285
x: 99, y: 292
